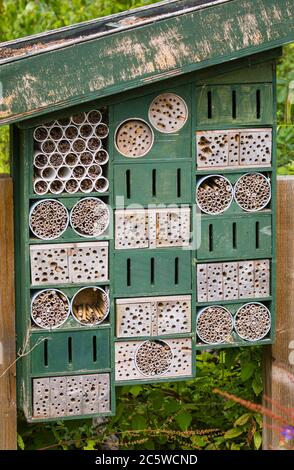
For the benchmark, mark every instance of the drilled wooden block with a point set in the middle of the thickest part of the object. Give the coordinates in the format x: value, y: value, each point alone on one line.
x: 152, y: 228
x: 153, y: 316
x: 237, y: 148
x: 88, y: 262
x: 233, y: 280
x: 131, y: 229
x: 176, y: 357
x: 57, y: 397
x: 49, y: 264
x: 41, y: 404
x: 246, y: 279
x: 172, y: 227
x: 69, y: 263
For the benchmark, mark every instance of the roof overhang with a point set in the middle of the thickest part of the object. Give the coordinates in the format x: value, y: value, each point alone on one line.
x: 83, y: 68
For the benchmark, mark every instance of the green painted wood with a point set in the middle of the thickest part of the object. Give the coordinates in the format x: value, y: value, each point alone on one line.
x: 217, y: 239
x: 215, y: 105
x: 153, y: 183
x: 73, y: 352
x: 128, y: 59
x: 152, y: 272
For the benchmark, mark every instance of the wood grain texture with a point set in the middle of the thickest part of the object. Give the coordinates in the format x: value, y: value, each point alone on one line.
x: 279, y: 358
x: 7, y: 318
x: 128, y: 59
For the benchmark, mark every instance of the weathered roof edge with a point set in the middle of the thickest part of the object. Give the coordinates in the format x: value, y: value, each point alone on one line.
x: 127, y: 60
x: 104, y: 26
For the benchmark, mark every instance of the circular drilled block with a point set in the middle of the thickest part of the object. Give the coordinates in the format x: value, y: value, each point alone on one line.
x: 48, y: 219
x: 50, y: 308
x: 134, y: 138
x: 90, y: 305
x: 252, y: 321
x: 214, y: 194
x: 89, y: 217
x: 168, y: 113
x: 214, y: 325
x: 252, y: 192
x: 153, y: 358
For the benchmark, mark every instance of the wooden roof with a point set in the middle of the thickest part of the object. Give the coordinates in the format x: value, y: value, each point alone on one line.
x: 61, y: 68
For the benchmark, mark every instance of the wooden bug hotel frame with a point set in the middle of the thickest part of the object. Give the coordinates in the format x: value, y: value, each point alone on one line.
x: 144, y: 196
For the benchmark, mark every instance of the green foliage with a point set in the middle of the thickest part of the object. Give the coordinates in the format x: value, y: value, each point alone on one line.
x: 178, y: 415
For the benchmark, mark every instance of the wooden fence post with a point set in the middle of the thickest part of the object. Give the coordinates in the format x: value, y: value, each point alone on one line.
x: 7, y: 318
x: 279, y: 358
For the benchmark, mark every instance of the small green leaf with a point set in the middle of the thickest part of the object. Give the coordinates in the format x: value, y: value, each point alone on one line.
x: 257, y: 439
x: 184, y: 420
x: 257, y: 384
x: 232, y: 433
x: 242, y: 419
x: 258, y: 418
x: 171, y: 406
x: 90, y: 445
x: 235, y: 446
x: 247, y: 370
x: 229, y: 404
x: 138, y: 422
x: 20, y: 442
x: 135, y: 390
x: 199, y: 441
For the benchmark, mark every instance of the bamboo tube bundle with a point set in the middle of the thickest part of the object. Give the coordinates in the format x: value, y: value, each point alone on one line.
x: 89, y: 217
x: 214, y: 194
x: 48, y: 219
x: 215, y: 325
x: 90, y: 306
x: 50, y: 308
x: 252, y: 321
x: 252, y: 192
x: 153, y: 358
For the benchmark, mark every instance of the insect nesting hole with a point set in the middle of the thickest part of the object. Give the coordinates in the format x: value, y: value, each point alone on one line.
x: 90, y: 305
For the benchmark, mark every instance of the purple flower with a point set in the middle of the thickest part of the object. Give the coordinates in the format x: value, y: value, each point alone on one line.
x: 288, y: 432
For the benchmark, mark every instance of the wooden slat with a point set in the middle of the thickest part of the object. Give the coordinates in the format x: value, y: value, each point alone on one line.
x: 279, y: 358
x: 7, y: 318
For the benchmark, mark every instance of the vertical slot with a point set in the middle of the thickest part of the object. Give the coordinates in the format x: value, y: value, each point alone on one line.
x: 257, y: 235
x: 258, y: 104
x: 128, y: 183
x: 176, y: 271
x: 234, y: 104
x: 153, y: 182
x: 210, y: 237
x: 209, y: 105
x: 46, y: 352
x: 69, y: 349
x: 128, y: 272
x: 234, y: 235
x: 94, y: 348
x: 179, y: 182
x: 152, y: 271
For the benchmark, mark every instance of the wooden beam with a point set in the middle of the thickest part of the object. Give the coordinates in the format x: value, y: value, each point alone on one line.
x: 279, y: 358
x: 7, y: 318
